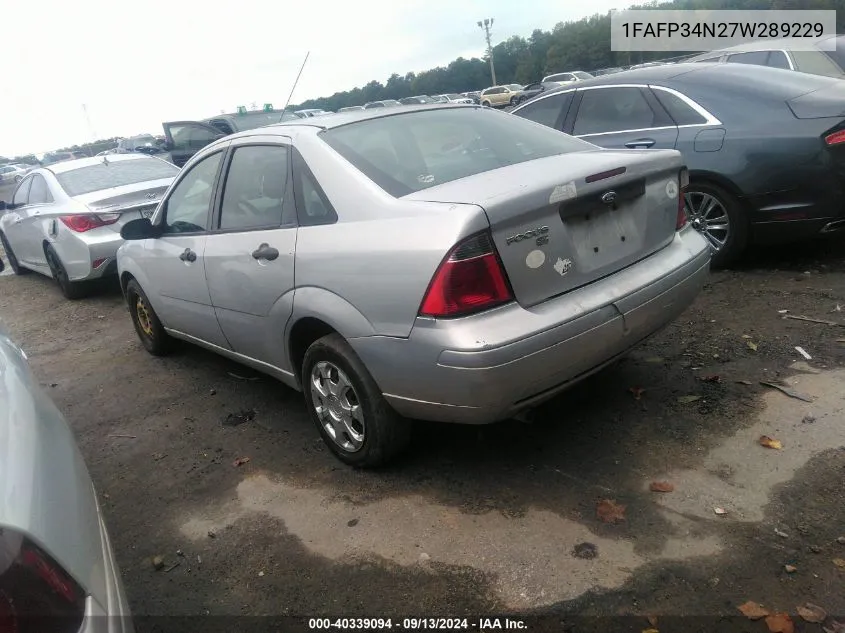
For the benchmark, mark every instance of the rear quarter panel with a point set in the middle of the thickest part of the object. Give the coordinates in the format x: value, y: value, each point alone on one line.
x: 381, y: 254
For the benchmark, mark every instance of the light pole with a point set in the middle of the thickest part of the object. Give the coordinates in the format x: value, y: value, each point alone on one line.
x: 485, y: 25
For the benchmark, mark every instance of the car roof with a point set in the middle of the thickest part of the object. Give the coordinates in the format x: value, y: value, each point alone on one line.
x: 70, y: 165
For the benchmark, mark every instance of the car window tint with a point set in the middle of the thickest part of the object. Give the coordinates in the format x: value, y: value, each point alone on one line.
x: 190, y: 136
x: 317, y: 208
x: 778, y: 59
x: 548, y: 110
x: 39, y: 193
x: 254, y: 191
x: 114, y: 173
x: 678, y: 109
x: 187, y: 206
x: 22, y: 192
x: 613, y: 110
x: 757, y: 58
x: 418, y: 150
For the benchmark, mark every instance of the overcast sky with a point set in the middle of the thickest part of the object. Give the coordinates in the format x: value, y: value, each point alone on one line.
x: 136, y: 63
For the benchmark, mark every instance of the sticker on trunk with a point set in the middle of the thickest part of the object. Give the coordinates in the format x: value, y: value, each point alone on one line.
x: 563, y: 266
x: 672, y: 189
x: 535, y: 258
x: 563, y: 192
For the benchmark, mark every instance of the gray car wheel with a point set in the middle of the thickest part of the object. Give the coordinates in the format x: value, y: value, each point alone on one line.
x: 70, y: 289
x: 351, y: 414
x: 718, y: 216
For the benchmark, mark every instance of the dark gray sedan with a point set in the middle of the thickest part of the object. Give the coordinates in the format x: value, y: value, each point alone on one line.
x: 765, y: 147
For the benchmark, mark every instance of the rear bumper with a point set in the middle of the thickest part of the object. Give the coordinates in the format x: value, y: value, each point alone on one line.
x: 488, y: 367
x: 89, y: 256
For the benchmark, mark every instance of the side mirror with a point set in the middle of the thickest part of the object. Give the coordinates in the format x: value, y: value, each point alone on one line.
x: 140, y: 229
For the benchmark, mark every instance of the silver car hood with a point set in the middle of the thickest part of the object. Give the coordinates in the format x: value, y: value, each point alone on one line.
x: 45, y: 489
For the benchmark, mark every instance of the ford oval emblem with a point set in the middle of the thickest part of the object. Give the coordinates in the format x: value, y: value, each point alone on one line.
x: 609, y: 197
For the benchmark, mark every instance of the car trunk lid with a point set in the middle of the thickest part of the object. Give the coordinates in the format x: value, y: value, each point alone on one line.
x: 130, y: 201
x: 826, y: 102
x: 565, y: 221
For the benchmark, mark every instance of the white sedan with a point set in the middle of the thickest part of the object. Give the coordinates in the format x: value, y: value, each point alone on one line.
x: 64, y: 220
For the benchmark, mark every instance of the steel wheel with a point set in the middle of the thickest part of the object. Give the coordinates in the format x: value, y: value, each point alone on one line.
x: 143, y: 315
x: 337, y: 406
x: 708, y: 215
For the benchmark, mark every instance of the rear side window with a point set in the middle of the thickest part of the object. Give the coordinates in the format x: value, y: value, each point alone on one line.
x: 613, y: 110
x: 757, y: 58
x: 778, y: 59
x: 39, y: 193
x: 548, y: 111
x: 114, y: 173
x: 820, y: 62
x: 254, y: 192
x: 22, y: 192
x: 417, y: 150
x: 678, y: 109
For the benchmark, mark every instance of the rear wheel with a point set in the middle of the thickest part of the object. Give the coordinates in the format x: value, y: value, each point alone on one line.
x: 514, y: 101
x: 351, y: 414
x: 70, y: 289
x: 719, y: 217
x: 149, y: 329
x: 18, y: 178
x: 13, y: 261
x: 486, y: 104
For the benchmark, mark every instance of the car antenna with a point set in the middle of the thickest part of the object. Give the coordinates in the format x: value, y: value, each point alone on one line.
x: 301, y: 68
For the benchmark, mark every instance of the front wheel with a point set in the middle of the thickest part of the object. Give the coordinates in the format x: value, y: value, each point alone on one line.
x: 18, y: 178
x: 718, y: 216
x: 351, y: 414
x: 514, y: 101
x: 149, y: 329
x: 486, y: 104
x: 70, y: 289
x: 10, y: 254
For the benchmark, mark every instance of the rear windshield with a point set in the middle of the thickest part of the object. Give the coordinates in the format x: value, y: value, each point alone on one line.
x: 582, y: 75
x: 259, y: 119
x: 114, y: 174
x: 416, y: 150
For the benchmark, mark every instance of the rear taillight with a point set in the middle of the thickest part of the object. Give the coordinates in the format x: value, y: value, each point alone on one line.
x: 82, y: 223
x: 35, y: 592
x: 469, y: 280
x: 683, y: 183
x: 836, y: 138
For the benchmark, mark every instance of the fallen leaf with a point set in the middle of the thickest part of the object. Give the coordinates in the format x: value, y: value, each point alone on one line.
x: 652, y: 620
x: 839, y: 562
x: 768, y: 442
x: 752, y: 346
x: 661, y: 486
x: 240, y: 461
x: 608, y: 511
x: 781, y: 533
x: 688, y: 399
x: 637, y: 392
x: 745, y: 336
x: 790, y: 569
x: 812, y: 613
x: 713, y: 378
x: 780, y: 623
x: 753, y: 611
x: 720, y: 511
x: 744, y: 382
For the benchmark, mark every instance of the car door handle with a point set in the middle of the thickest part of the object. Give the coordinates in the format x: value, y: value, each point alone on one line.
x: 265, y: 251
x: 188, y: 255
x: 640, y: 142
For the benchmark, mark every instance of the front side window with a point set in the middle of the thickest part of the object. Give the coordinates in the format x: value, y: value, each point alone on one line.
x: 22, y: 192
x: 187, y: 207
x: 548, y: 111
x: 417, y: 150
x: 613, y: 110
x: 254, y: 191
x: 39, y: 193
x: 114, y: 173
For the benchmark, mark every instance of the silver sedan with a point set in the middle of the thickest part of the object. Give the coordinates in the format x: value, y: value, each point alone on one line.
x: 57, y: 569
x: 64, y: 220
x: 448, y: 263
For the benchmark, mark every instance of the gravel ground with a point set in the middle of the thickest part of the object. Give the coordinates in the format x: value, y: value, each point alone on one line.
x: 478, y: 520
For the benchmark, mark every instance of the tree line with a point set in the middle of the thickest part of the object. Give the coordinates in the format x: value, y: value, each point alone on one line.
x: 576, y: 45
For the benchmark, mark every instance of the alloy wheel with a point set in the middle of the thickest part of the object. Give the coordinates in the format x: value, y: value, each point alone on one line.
x: 144, y: 319
x: 337, y: 406
x: 708, y: 216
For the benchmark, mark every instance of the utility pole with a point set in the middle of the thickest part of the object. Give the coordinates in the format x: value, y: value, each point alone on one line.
x: 485, y: 25
x: 88, y: 121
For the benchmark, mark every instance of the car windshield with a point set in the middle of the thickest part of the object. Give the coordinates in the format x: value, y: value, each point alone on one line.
x: 514, y: 86
x: 582, y: 75
x: 142, y: 140
x: 454, y: 96
x: 114, y: 174
x: 417, y: 150
x: 391, y: 102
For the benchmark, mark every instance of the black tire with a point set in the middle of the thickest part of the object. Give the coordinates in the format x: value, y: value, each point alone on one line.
x: 149, y: 329
x: 737, y: 237
x: 70, y: 289
x: 485, y: 104
x: 18, y: 178
x: 514, y: 101
x: 10, y: 255
x: 385, y: 432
